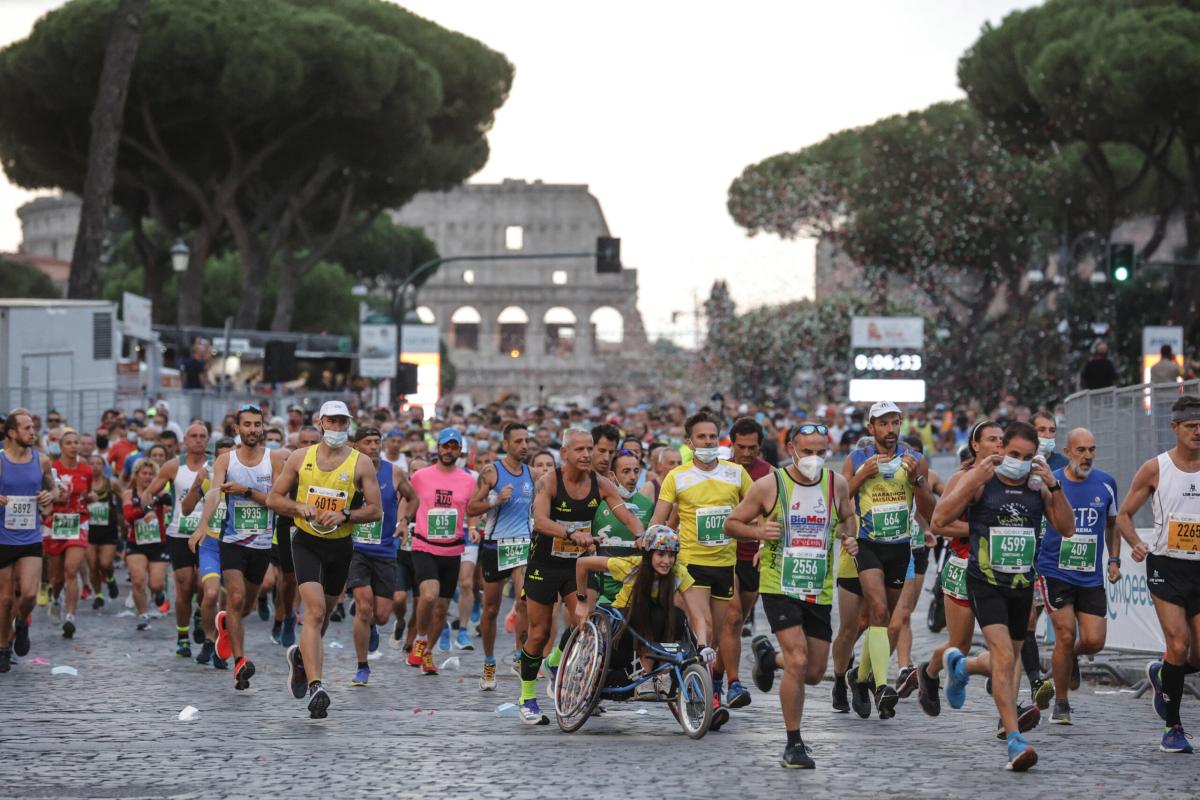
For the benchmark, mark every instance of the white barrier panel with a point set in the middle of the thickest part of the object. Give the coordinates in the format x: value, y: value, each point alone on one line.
x: 1132, y: 623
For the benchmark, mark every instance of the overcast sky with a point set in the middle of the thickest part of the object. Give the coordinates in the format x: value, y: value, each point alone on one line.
x: 658, y: 106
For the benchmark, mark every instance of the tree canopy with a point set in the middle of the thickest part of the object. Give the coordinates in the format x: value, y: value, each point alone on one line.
x: 22, y: 280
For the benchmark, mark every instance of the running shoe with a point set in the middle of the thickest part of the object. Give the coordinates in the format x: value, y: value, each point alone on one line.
x: 860, y: 698
x: 1076, y: 677
x: 143, y: 622
x: 54, y: 611
x: 361, y: 676
x: 318, y: 702
x: 197, y: 629
x: 219, y: 663
x: 397, y: 638
x: 487, y: 681
x: 763, y: 671
x: 906, y: 681
x: 956, y: 677
x: 928, y: 691
x: 886, y: 698
x: 206, y: 652
x: 114, y: 591
x: 738, y: 696
x: 443, y: 642
x: 795, y: 756
x: 276, y: 630
x: 373, y: 641
x: 720, y: 715
x: 841, y: 699
x: 183, y: 648
x: 510, y: 622
x: 243, y: 671
x: 427, y: 665
x: 297, y: 677
x: 747, y: 632
x: 531, y: 714
x: 1043, y: 693
x: 5, y: 659
x: 476, y: 612
x: 164, y: 605
x: 288, y: 637
x: 515, y: 663
x: 97, y: 602
x: 224, y: 646
x: 1175, y: 740
x: 417, y: 653
x: 86, y: 592
x: 463, y: 641
x: 264, y: 610
x: 1028, y: 718
x: 69, y: 627
x: 1062, y: 713
x: 43, y: 595
x: 1154, y: 675
x: 1020, y: 753
x: 21, y: 637
x: 339, y: 613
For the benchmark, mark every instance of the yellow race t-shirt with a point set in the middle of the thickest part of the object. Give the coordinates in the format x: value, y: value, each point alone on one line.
x: 624, y: 571
x: 705, y: 499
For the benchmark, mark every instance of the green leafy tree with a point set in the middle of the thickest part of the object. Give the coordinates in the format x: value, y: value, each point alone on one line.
x: 384, y: 256
x: 21, y: 280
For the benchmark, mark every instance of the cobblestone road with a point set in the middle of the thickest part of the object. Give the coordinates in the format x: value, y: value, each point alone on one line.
x: 113, y: 731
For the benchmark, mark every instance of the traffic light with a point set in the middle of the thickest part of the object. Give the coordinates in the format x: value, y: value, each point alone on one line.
x: 1120, y: 262
x: 608, y: 254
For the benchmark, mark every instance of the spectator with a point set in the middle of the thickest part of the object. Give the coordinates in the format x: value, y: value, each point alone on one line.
x: 194, y: 368
x: 1098, y: 372
x: 1166, y: 370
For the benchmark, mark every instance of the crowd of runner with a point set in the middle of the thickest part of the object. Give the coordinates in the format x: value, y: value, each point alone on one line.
x: 664, y: 513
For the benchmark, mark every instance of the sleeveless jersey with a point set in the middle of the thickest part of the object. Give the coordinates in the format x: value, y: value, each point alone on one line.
x: 248, y: 523
x: 1004, y: 525
x: 882, y: 505
x: 574, y: 514
x: 378, y: 538
x: 327, y: 491
x: 510, y: 519
x: 799, y: 564
x: 615, y: 538
x: 1176, y: 512
x: 20, y: 519
x: 180, y: 526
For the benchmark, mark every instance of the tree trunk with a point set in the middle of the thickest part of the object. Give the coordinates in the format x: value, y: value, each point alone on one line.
x: 285, y: 299
x: 103, y: 146
x: 191, y: 298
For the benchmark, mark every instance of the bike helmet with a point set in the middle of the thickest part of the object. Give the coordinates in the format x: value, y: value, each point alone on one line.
x: 660, y: 537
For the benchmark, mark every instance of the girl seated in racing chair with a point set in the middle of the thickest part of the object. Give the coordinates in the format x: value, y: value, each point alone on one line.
x: 654, y: 587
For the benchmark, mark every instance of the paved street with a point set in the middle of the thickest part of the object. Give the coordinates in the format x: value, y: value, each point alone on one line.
x: 113, y: 731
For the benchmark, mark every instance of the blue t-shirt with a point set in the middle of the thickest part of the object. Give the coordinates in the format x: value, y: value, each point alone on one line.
x: 1056, y: 461
x: 1094, y: 501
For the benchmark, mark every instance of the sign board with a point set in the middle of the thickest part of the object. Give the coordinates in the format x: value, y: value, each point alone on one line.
x: 1153, y: 339
x: 136, y: 315
x: 898, y: 390
x: 377, y: 350
x: 1132, y: 623
x: 129, y: 379
x: 422, y: 347
x: 887, y: 332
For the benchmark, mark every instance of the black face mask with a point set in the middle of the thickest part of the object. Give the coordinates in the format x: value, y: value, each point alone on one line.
x: 101, y: 442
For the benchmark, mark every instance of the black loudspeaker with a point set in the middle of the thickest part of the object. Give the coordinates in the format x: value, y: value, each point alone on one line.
x: 406, y: 378
x: 279, y: 362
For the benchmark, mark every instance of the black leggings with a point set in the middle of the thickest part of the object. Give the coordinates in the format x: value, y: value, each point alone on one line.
x: 623, y: 647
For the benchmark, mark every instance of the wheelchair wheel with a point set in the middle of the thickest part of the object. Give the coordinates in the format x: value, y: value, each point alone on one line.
x: 581, y: 672
x: 692, y: 705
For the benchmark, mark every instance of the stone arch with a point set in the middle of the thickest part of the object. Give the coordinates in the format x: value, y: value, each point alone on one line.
x: 607, y: 326
x: 513, y: 323
x: 561, y: 331
x: 464, y: 328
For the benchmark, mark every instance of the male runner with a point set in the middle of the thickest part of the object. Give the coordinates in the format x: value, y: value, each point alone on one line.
x: 244, y: 477
x: 65, y: 535
x: 885, y: 478
x: 504, y: 493
x: 804, y: 504
x: 283, y: 630
x: 746, y: 440
x: 705, y: 491
x: 208, y: 557
x: 1172, y: 561
x: 181, y: 473
x: 1070, y: 569
x: 325, y: 480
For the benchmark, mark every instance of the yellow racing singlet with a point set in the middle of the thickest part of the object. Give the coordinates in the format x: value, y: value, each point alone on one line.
x: 327, y: 491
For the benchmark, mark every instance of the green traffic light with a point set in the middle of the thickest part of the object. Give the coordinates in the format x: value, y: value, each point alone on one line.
x: 1121, y: 274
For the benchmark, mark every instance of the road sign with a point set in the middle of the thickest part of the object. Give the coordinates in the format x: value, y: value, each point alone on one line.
x: 377, y: 350
x: 137, y: 316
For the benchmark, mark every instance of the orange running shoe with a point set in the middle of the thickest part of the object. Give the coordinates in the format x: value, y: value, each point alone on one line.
x: 224, y: 647
x: 417, y: 653
x: 427, y: 665
x: 510, y: 622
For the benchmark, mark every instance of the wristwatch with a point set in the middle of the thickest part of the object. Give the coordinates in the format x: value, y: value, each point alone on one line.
x: 346, y: 514
x: 248, y: 494
x: 1114, y: 560
x: 1055, y: 488
x: 919, y: 481
x: 581, y: 597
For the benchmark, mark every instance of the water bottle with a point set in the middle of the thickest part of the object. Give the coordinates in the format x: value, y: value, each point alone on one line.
x: 1034, y: 482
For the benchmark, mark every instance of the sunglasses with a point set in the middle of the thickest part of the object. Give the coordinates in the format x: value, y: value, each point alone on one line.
x: 624, y: 452
x: 250, y: 407
x: 809, y: 428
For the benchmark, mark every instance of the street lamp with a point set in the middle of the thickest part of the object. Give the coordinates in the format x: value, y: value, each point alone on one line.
x: 179, y: 256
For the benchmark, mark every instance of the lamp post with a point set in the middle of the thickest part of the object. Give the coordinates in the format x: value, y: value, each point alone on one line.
x: 180, y: 255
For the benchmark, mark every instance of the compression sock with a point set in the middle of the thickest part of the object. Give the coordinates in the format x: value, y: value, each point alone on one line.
x: 864, y: 666
x: 793, y: 737
x: 363, y: 665
x: 877, y: 644
x: 1172, y: 689
x: 1030, y: 659
x: 182, y: 631
x: 529, y: 670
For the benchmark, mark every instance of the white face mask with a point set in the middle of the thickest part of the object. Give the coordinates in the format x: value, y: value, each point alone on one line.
x: 335, y: 439
x: 810, y: 466
x: 625, y: 493
x: 706, y: 455
x: 1046, y: 445
x: 1014, y: 468
x: 273, y: 445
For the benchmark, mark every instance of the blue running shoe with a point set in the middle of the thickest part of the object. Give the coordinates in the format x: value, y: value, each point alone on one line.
x: 476, y: 612
x: 463, y: 641
x: 361, y: 677
x: 1154, y: 675
x: 288, y: 637
x: 737, y: 696
x: 1175, y: 741
x: 956, y: 677
x: 1021, y: 755
x: 206, y: 653
x: 531, y: 714
x: 444, y: 640
x: 373, y: 644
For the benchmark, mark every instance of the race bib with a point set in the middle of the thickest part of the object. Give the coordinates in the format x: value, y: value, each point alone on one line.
x: 565, y: 548
x: 99, y: 513
x: 954, y: 578
x: 804, y: 571
x: 251, y: 519
x: 20, y: 514
x: 324, y: 499
x: 66, y: 527
x: 1011, y: 549
x: 369, y: 532
x: 145, y: 531
x: 889, y: 521
x: 710, y: 525
x: 190, y: 523
x: 217, y: 520
x: 511, y: 553
x: 1078, y: 553
x: 441, y: 525
x: 1183, y: 534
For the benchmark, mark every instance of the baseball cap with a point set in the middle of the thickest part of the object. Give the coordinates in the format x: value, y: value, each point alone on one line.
x: 881, y: 408
x: 334, y: 408
x: 449, y: 435
x: 394, y: 433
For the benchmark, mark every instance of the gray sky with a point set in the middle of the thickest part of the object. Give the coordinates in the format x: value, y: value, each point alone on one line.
x: 658, y: 106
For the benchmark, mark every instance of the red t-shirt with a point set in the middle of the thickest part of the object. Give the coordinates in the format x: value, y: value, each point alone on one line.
x: 78, y: 482
x: 746, y: 550
x: 117, y: 451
